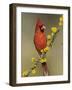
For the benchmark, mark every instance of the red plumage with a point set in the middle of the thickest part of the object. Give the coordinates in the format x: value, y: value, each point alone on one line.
x: 40, y: 42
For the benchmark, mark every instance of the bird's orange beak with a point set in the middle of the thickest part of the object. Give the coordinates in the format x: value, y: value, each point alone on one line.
x: 43, y: 28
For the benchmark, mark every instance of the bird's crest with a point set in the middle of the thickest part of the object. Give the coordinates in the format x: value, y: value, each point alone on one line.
x: 39, y: 23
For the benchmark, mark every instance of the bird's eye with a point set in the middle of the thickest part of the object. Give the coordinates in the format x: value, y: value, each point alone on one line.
x: 43, y: 28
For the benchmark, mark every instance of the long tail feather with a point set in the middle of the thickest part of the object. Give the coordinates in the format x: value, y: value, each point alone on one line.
x: 45, y: 69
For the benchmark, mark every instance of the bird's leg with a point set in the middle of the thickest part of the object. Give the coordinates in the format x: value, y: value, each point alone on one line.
x: 42, y: 55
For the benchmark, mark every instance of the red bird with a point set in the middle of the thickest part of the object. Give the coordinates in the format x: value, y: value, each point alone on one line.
x: 40, y: 42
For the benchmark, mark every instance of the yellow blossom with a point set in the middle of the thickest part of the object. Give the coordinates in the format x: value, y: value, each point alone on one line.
x: 52, y: 34
x: 46, y: 49
x: 33, y: 71
x: 33, y: 59
x: 42, y: 51
x: 35, y: 65
x: 49, y: 37
x: 25, y: 73
x: 61, y: 18
x: 42, y: 60
x: 48, y: 43
x: 60, y: 23
x: 54, y: 29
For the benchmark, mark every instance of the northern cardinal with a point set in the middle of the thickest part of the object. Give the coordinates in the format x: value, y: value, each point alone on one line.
x: 40, y: 42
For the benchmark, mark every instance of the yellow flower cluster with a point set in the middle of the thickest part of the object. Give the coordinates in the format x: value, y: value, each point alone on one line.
x: 61, y: 18
x: 61, y: 21
x: 52, y: 34
x: 33, y: 71
x: 45, y: 49
x: 42, y: 60
x: 25, y: 73
x: 35, y: 65
x: 33, y: 59
x: 49, y: 37
x: 60, y: 24
x: 54, y: 29
x: 42, y: 50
